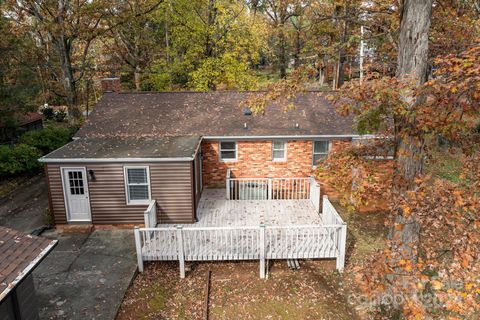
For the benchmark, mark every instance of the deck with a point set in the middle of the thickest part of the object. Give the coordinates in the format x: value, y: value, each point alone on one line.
x: 214, y: 210
x: 246, y: 230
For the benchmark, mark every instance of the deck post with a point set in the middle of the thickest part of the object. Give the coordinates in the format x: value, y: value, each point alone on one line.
x: 181, y: 255
x: 262, y: 251
x: 227, y: 187
x: 138, y: 246
x: 315, y: 193
x: 341, y: 247
x: 270, y: 189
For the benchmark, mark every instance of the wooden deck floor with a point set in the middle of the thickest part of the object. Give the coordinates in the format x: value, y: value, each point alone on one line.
x: 216, y: 211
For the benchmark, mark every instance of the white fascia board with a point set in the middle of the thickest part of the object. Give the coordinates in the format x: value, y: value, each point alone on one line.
x: 326, y: 136
x: 97, y: 160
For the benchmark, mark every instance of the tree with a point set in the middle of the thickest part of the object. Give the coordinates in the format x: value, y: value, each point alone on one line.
x: 136, y: 36
x: 279, y: 13
x: 20, y: 88
x: 65, y: 31
x: 212, y: 44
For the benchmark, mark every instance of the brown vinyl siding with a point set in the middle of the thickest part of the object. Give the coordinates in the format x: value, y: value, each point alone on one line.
x: 170, y: 184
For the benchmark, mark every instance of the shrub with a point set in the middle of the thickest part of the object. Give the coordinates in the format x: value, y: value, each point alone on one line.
x: 8, y: 164
x: 21, y: 158
x: 60, y: 115
x: 27, y: 156
x: 48, y: 112
x: 47, y: 139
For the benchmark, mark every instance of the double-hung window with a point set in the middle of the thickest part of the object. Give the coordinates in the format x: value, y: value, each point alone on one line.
x: 320, y: 151
x: 137, y: 184
x: 228, y: 150
x: 279, y: 151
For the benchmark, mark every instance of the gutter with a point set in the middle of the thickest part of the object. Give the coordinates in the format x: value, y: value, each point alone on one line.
x: 327, y: 136
x: 110, y: 160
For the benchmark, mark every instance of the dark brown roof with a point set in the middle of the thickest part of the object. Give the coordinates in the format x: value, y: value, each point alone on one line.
x: 30, y: 117
x: 19, y: 254
x: 127, y: 148
x: 209, y: 114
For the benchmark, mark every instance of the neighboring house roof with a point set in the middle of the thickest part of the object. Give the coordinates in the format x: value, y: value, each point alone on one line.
x: 30, y: 117
x: 115, y: 148
x: 19, y: 255
x: 210, y: 114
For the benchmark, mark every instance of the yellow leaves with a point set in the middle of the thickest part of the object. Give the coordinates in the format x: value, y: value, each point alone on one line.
x: 468, y: 286
x: 406, y: 211
x: 437, y: 285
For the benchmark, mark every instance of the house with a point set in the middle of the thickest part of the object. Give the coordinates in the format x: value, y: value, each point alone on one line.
x: 161, y: 156
x: 20, y: 254
x: 10, y: 132
x: 168, y: 146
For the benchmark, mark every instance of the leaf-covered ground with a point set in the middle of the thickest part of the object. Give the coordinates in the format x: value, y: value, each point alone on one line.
x: 237, y: 292
x: 315, y: 291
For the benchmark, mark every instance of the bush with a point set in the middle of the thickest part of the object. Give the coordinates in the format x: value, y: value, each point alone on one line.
x: 47, y: 139
x: 21, y: 158
x: 60, y: 115
x: 48, y: 112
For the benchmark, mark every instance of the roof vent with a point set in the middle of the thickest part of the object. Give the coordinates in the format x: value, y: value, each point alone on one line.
x: 297, y: 126
x: 247, y: 111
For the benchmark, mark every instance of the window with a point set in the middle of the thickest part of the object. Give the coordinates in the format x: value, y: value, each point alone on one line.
x: 75, y: 181
x: 279, y: 151
x: 228, y: 151
x: 137, y: 185
x: 320, y: 151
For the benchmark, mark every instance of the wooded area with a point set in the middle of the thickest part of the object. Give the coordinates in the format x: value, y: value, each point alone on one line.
x: 408, y: 70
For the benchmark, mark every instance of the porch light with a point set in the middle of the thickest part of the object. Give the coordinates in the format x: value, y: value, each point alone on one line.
x: 91, y: 173
x: 245, y: 126
x: 297, y: 126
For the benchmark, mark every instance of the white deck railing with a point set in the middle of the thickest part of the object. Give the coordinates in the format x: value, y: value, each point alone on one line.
x: 150, y: 215
x: 243, y: 243
x: 273, y: 189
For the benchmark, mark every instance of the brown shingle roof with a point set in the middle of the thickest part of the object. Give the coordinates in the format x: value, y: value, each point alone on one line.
x: 209, y: 114
x: 19, y: 254
x: 127, y: 148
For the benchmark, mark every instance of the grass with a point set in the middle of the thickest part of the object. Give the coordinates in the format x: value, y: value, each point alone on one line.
x: 445, y: 165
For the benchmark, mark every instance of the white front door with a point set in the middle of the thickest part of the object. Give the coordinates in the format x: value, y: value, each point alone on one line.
x: 75, y: 189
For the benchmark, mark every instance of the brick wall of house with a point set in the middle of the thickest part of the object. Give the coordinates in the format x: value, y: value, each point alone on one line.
x: 254, y: 160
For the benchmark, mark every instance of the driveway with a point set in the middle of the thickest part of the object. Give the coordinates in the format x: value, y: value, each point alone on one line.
x: 24, y: 208
x: 86, y: 275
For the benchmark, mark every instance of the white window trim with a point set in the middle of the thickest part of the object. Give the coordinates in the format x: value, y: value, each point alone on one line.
x: 220, y: 151
x: 314, y: 153
x: 125, y: 179
x: 284, y: 159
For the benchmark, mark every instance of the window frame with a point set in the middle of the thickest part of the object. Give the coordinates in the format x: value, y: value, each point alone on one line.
x: 220, y: 151
x: 127, y: 184
x: 285, y: 143
x: 314, y: 164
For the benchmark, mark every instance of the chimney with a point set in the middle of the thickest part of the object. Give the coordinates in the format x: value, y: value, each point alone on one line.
x: 110, y: 85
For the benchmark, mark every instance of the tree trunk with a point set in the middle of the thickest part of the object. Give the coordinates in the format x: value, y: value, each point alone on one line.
x: 282, y: 53
x: 413, y: 47
x: 137, y: 74
x: 68, y: 82
x: 298, y: 49
x: 412, y: 61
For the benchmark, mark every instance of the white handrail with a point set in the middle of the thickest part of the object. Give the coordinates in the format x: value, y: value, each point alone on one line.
x: 268, y: 188
x: 150, y: 215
